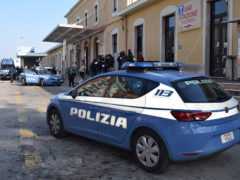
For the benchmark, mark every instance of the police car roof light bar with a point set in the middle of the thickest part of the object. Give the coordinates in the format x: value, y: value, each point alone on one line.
x: 152, y: 65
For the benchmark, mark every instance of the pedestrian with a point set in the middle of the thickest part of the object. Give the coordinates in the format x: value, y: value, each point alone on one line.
x: 71, y: 76
x: 130, y: 56
x: 98, y: 65
x: 92, y: 68
x: 75, y: 68
x: 17, y: 73
x: 122, y: 58
x: 140, y: 57
x: 53, y: 70
x: 12, y: 72
x: 110, y: 63
x: 82, y: 70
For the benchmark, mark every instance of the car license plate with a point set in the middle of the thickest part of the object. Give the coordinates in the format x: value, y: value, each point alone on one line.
x: 227, y: 137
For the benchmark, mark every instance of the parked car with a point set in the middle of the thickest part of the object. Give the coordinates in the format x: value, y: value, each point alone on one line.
x: 42, y: 77
x: 5, y: 65
x: 154, y: 109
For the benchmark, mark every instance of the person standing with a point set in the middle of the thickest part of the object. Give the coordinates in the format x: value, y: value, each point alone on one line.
x: 17, y: 73
x: 121, y: 59
x: 130, y: 56
x: 12, y: 72
x: 82, y: 70
x: 53, y: 70
x: 140, y: 57
x: 110, y: 62
x: 71, y: 76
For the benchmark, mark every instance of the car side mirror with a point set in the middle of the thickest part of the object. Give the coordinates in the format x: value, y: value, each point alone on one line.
x: 74, y: 93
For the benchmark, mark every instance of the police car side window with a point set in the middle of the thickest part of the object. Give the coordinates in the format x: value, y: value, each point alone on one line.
x: 150, y: 85
x: 126, y: 87
x: 95, y: 88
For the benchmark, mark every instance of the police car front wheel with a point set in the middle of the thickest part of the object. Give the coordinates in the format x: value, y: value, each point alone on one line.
x: 56, y: 124
x: 150, y: 151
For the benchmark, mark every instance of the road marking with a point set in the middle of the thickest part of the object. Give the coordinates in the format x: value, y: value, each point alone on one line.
x: 32, y: 159
x: 24, y: 133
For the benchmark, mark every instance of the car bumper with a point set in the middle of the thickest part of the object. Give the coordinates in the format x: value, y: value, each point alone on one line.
x: 53, y: 82
x: 189, y: 141
x: 5, y: 76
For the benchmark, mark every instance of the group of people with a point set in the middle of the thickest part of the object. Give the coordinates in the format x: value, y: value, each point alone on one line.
x: 101, y: 64
x: 122, y: 58
x: 14, y: 73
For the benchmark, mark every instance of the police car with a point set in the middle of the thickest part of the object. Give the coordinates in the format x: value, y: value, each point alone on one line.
x: 42, y: 77
x: 154, y: 109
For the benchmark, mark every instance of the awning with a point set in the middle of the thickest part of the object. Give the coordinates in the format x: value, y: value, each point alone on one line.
x: 232, y: 21
x: 71, y: 33
x: 29, y: 54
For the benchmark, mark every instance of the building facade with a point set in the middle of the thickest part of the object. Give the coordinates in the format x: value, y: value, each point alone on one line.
x: 188, y: 31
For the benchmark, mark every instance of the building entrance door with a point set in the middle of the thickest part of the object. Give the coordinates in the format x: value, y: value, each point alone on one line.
x: 218, y: 42
x: 139, y: 38
x: 169, y: 38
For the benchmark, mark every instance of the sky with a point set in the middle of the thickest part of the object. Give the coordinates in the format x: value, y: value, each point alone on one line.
x: 28, y: 22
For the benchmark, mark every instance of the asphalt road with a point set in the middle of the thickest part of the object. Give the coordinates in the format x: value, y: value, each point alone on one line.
x: 28, y: 151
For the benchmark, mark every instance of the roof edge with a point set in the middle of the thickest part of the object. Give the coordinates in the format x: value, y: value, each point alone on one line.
x: 74, y: 7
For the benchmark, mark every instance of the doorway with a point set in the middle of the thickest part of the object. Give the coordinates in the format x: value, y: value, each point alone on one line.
x: 169, y: 38
x: 96, y: 43
x: 218, y: 37
x: 86, y: 56
x: 139, y: 39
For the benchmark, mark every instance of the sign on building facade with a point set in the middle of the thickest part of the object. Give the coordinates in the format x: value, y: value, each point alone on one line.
x: 189, y: 15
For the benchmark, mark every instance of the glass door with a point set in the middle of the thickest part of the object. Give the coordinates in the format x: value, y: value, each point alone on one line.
x: 169, y: 38
x: 218, y: 42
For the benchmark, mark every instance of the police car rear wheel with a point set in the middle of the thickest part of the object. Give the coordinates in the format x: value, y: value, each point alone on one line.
x: 56, y: 124
x: 150, y: 151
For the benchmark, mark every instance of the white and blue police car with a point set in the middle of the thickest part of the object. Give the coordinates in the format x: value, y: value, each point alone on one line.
x: 154, y: 109
x: 42, y: 77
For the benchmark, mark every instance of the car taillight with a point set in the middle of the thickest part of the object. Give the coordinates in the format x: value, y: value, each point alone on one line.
x: 190, y: 116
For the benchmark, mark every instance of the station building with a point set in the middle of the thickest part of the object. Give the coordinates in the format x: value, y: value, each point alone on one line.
x: 199, y: 33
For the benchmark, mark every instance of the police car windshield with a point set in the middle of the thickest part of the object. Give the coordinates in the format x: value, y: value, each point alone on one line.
x: 44, y: 72
x: 5, y: 67
x: 200, y: 91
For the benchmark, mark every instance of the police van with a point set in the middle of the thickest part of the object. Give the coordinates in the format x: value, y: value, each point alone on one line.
x: 5, y: 65
x: 153, y: 109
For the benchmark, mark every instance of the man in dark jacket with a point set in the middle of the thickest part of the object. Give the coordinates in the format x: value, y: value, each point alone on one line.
x: 130, y: 56
x: 93, y: 68
x: 11, y: 72
x: 121, y: 59
x: 71, y: 76
x: 110, y: 63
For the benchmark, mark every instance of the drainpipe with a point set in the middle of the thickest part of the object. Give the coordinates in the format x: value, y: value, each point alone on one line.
x: 126, y: 33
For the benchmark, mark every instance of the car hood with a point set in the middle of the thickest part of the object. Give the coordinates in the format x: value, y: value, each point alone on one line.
x: 51, y: 76
x: 61, y: 96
